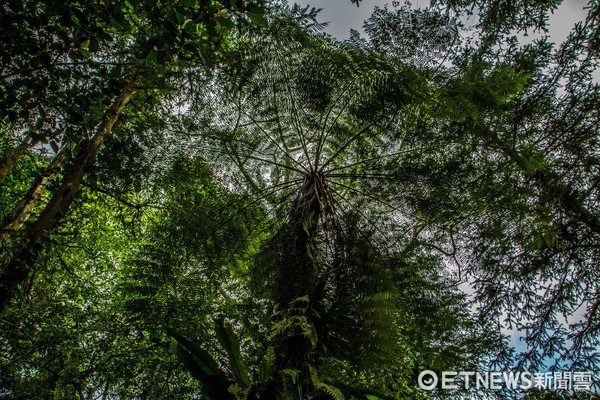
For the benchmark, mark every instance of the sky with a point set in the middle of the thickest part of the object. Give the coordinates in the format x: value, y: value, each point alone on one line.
x: 342, y: 15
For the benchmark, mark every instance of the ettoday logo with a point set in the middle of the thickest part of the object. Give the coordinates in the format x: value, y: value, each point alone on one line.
x: 580, y: 380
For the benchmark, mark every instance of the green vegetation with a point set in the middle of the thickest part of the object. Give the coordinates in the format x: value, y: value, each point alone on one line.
x: 213, y: 199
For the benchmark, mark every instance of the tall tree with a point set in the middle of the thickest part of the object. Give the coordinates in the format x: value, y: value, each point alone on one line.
x: 158, y: 34
x: 513, y: 126
x: 309, y: 130
x: 302, y: 220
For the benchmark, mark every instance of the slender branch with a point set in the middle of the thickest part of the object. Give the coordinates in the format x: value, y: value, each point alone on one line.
x: 113, y: 196
x: 254, y: 158
x: 359, y: 212
x: 363, y: 176
x: 270, y: 138
x: 366, y: 194
x: 366, y: 161
x: 323, y: 135
x: 341, y: 149
x: 295, y: 112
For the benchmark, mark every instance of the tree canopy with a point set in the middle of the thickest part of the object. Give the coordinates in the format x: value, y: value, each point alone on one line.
x: 217, y: 200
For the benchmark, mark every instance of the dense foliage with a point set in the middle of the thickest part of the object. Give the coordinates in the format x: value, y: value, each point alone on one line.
x: 215, y: 200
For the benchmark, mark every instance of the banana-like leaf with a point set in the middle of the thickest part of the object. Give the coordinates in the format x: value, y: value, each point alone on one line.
x: 205, y: 360
x: 267, y: 366
x: 203, y: 367
x: 231, y: 345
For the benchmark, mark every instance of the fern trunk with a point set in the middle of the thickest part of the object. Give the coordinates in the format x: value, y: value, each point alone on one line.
x: 296, y: 274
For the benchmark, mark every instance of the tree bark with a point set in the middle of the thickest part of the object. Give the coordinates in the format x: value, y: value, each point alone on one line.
x: 24, y: 208
x: 17, y: 269
x: 296, y: 274
x: 13, y: 158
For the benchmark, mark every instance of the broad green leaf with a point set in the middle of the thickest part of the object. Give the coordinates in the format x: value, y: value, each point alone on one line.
x: 258, y: 19
x: 203, y: 358
x: 151, y: 58
x: 225, y: 23
x: 231, y: 345
x: 267, y: 365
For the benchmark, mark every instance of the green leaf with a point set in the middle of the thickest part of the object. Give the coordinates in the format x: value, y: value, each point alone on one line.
x: 93, y: 45
x: 360, y: 393
x: 331, y: 390
x: 105, y: 37
x: 151, y: 58
x: 116, y: 24
x: 202, y: 359
x: 186, y: 22
x: 225, y: 23
x: 258, y: 19
x: 180, y: 18
x: 202, y: 366
x: 231, y: 345
x: 267, y: 365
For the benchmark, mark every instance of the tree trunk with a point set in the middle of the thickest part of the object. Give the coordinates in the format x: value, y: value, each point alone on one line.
x: 24, y: 208
x: 17, y: 269
x: 296, y: 274
x: 13, y: 158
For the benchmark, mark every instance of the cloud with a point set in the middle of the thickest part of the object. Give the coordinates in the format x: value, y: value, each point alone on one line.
x: 343, y: 15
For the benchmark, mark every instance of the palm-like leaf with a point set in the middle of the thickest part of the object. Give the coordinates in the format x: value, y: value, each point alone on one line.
x: 310, y: 130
